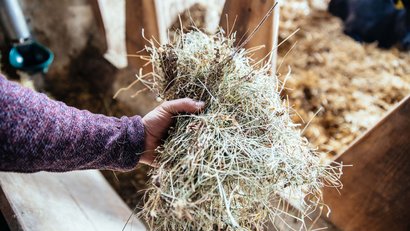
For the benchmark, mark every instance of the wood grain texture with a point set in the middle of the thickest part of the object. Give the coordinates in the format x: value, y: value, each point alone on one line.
x: 249, y: 14
x: 71, y: 201
x: 113, y: 31
x: 140, y: 14
x: 376, y: 192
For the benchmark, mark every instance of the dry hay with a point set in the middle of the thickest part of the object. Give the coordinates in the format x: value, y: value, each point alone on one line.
x: 354, y: 84
x: 349, y: 69
x: 224, y: 168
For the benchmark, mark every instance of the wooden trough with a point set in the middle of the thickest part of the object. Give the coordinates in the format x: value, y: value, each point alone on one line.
x: 376, y: 193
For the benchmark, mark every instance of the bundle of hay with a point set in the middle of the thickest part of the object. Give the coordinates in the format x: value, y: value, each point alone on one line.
x: 226, y: 167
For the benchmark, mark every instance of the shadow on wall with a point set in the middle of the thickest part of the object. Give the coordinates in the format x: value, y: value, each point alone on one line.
x: 3, y: 223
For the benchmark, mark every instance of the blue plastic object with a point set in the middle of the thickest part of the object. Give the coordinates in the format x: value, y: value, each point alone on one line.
x: 31, y: 57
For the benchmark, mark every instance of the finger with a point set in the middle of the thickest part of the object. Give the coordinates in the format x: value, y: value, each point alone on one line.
x: 183, y: 105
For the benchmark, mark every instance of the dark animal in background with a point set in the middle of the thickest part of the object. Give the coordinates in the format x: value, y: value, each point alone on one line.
x: 375, y: 20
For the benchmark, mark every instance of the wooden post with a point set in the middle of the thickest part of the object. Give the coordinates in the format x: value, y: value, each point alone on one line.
x: 376, y: 192
x: 248, y: 15
x: 140, y: 15
x: 122, y: 23
x: 112, y: 31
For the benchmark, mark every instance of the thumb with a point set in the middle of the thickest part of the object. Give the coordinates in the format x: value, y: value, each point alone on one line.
x: 182, y: 105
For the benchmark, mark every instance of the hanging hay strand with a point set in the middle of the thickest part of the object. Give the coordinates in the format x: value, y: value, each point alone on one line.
x: 226, y: 167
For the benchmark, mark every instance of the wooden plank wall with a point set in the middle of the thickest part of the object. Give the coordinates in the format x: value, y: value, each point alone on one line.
x: 376, y: 192
x: 140, y: 15
x: 72, y: 201
x: 248, y: 15
x: 131, y: 16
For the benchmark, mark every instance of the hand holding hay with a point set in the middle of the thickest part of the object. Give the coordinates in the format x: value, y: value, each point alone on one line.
x: 157, y: 122
x: 224, y: 169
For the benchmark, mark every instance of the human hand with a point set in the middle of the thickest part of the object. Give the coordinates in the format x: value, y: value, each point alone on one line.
x: 157, y: 122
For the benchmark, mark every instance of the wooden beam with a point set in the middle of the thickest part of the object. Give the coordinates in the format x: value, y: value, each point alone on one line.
x: 249, y: 14
x: 376, y: 192
x: 140, y: 15
x: 113, y: 31
x: 72, y: 201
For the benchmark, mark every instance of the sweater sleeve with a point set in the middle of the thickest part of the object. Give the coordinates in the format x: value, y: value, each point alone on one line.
x: 40, y: 134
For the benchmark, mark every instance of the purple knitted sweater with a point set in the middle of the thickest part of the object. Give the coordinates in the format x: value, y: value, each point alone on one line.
x: 37, y: 133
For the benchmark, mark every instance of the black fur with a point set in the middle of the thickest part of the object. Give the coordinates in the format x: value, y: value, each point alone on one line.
x: 374, y: 20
